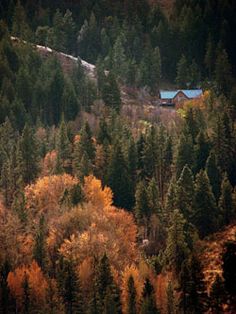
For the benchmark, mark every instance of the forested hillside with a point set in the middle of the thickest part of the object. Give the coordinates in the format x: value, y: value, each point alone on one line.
x: 109, y: 203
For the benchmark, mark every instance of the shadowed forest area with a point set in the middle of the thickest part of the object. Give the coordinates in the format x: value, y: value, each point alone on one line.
x: 110, y: 203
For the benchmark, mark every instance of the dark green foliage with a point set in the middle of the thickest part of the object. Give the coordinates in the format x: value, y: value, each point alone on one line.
x: 39, y: 253
x: 229, y: 260
x: 107, y: 294
x: 176, y: 247
x: 142, y: 209
x: 182, y: 78
x: 206, y: 214
x: 185, y: 193
x: 26, y: 295
x: 185, y: 154
x: 111, y: 93
x: 213, y: 174
x: 148, y: 305
x: 118, y: 179
x: 27, y: 156
x: 70, y: 288
x: 131, y: 296
x: 202, y: 148
x: 170, y: 299
x: 217, y: 294
x: 63, y: 146
x: 226, y: 204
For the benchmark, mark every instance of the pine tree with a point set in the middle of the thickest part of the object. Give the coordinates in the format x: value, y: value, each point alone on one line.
x: 153, y: 197
x: 182, y: 77
x: 20, y: 27
x: 5, y: 298
x: 111, y: 93
x: 213, y: 174
x: 149, y: 154
x: 209, y: 57
x: 170, y: 202
x: 63, y: 147
x: 26, y: 295
x: 185, y: 192
x: 205, y: 216
x: 70, y: 288
x: 103, y: 282
x: 176, y: 248
x: 119, y: 59
x: 103, y: 132
x: 142, y: 209
x: 112, y: 304
x: 201, y: 148
x: 118, y: 179
x: 148, y: 305
x: 70, y: 104
x: 132, y: 296
x: 194, y: 75
x: 170, y: 299
x: 226, y: 202
x: 84, y: 153
x: 223, y: 72
x: 29, y: 155
x: 185, y: 154
x: 217, y: 295
x: 39, y: 246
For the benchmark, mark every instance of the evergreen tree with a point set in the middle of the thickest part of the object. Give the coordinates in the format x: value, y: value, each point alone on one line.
x: 111, y: 93
x: 112, y: 304
x: 176, y: 248
x: 217, y: 294
x: 170, y: 299
x: 170, y: 203
x: 103, y: 282
x: 119, y: 59
x: 20, y: 27
x: 84, y: 153
x: 185, y: 192
x: 148, y: 305
x: 63, y: 147
x: 226, y: 202
x: 185, y: 154
x: 142, y: 209
x: 213, y: 174
x: 103, y: 132
x: 132, y: 296
x: 223, y: 72
x: 182, y: 78
x: 228, y: 266
x: 5, y: 298
x: 70, y: 288
x: 39, y: 246
x: 70, y: 104
x: 201, y: 148
x: 118, y: 179
x: 153, y: 197
x: 26, y: 295
x: 194, y: 75
x: 28, y: 155
x: 205, y: 216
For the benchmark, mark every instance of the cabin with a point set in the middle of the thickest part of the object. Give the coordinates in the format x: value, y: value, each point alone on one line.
x: 172, y: 98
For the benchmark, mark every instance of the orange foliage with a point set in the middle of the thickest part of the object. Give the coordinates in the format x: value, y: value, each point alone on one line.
x: 95, y: 194
x: 109, y: 230
x: 45, y: 195
x: 37, y: 283
x: 49, y: 163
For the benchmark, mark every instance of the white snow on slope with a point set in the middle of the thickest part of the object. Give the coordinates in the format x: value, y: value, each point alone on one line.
x: 88, y: 67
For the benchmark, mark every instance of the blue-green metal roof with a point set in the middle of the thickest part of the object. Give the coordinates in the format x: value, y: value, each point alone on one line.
x: 190, y: 93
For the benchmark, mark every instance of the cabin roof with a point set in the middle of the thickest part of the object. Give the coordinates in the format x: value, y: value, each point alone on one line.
x: 190, y: 93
